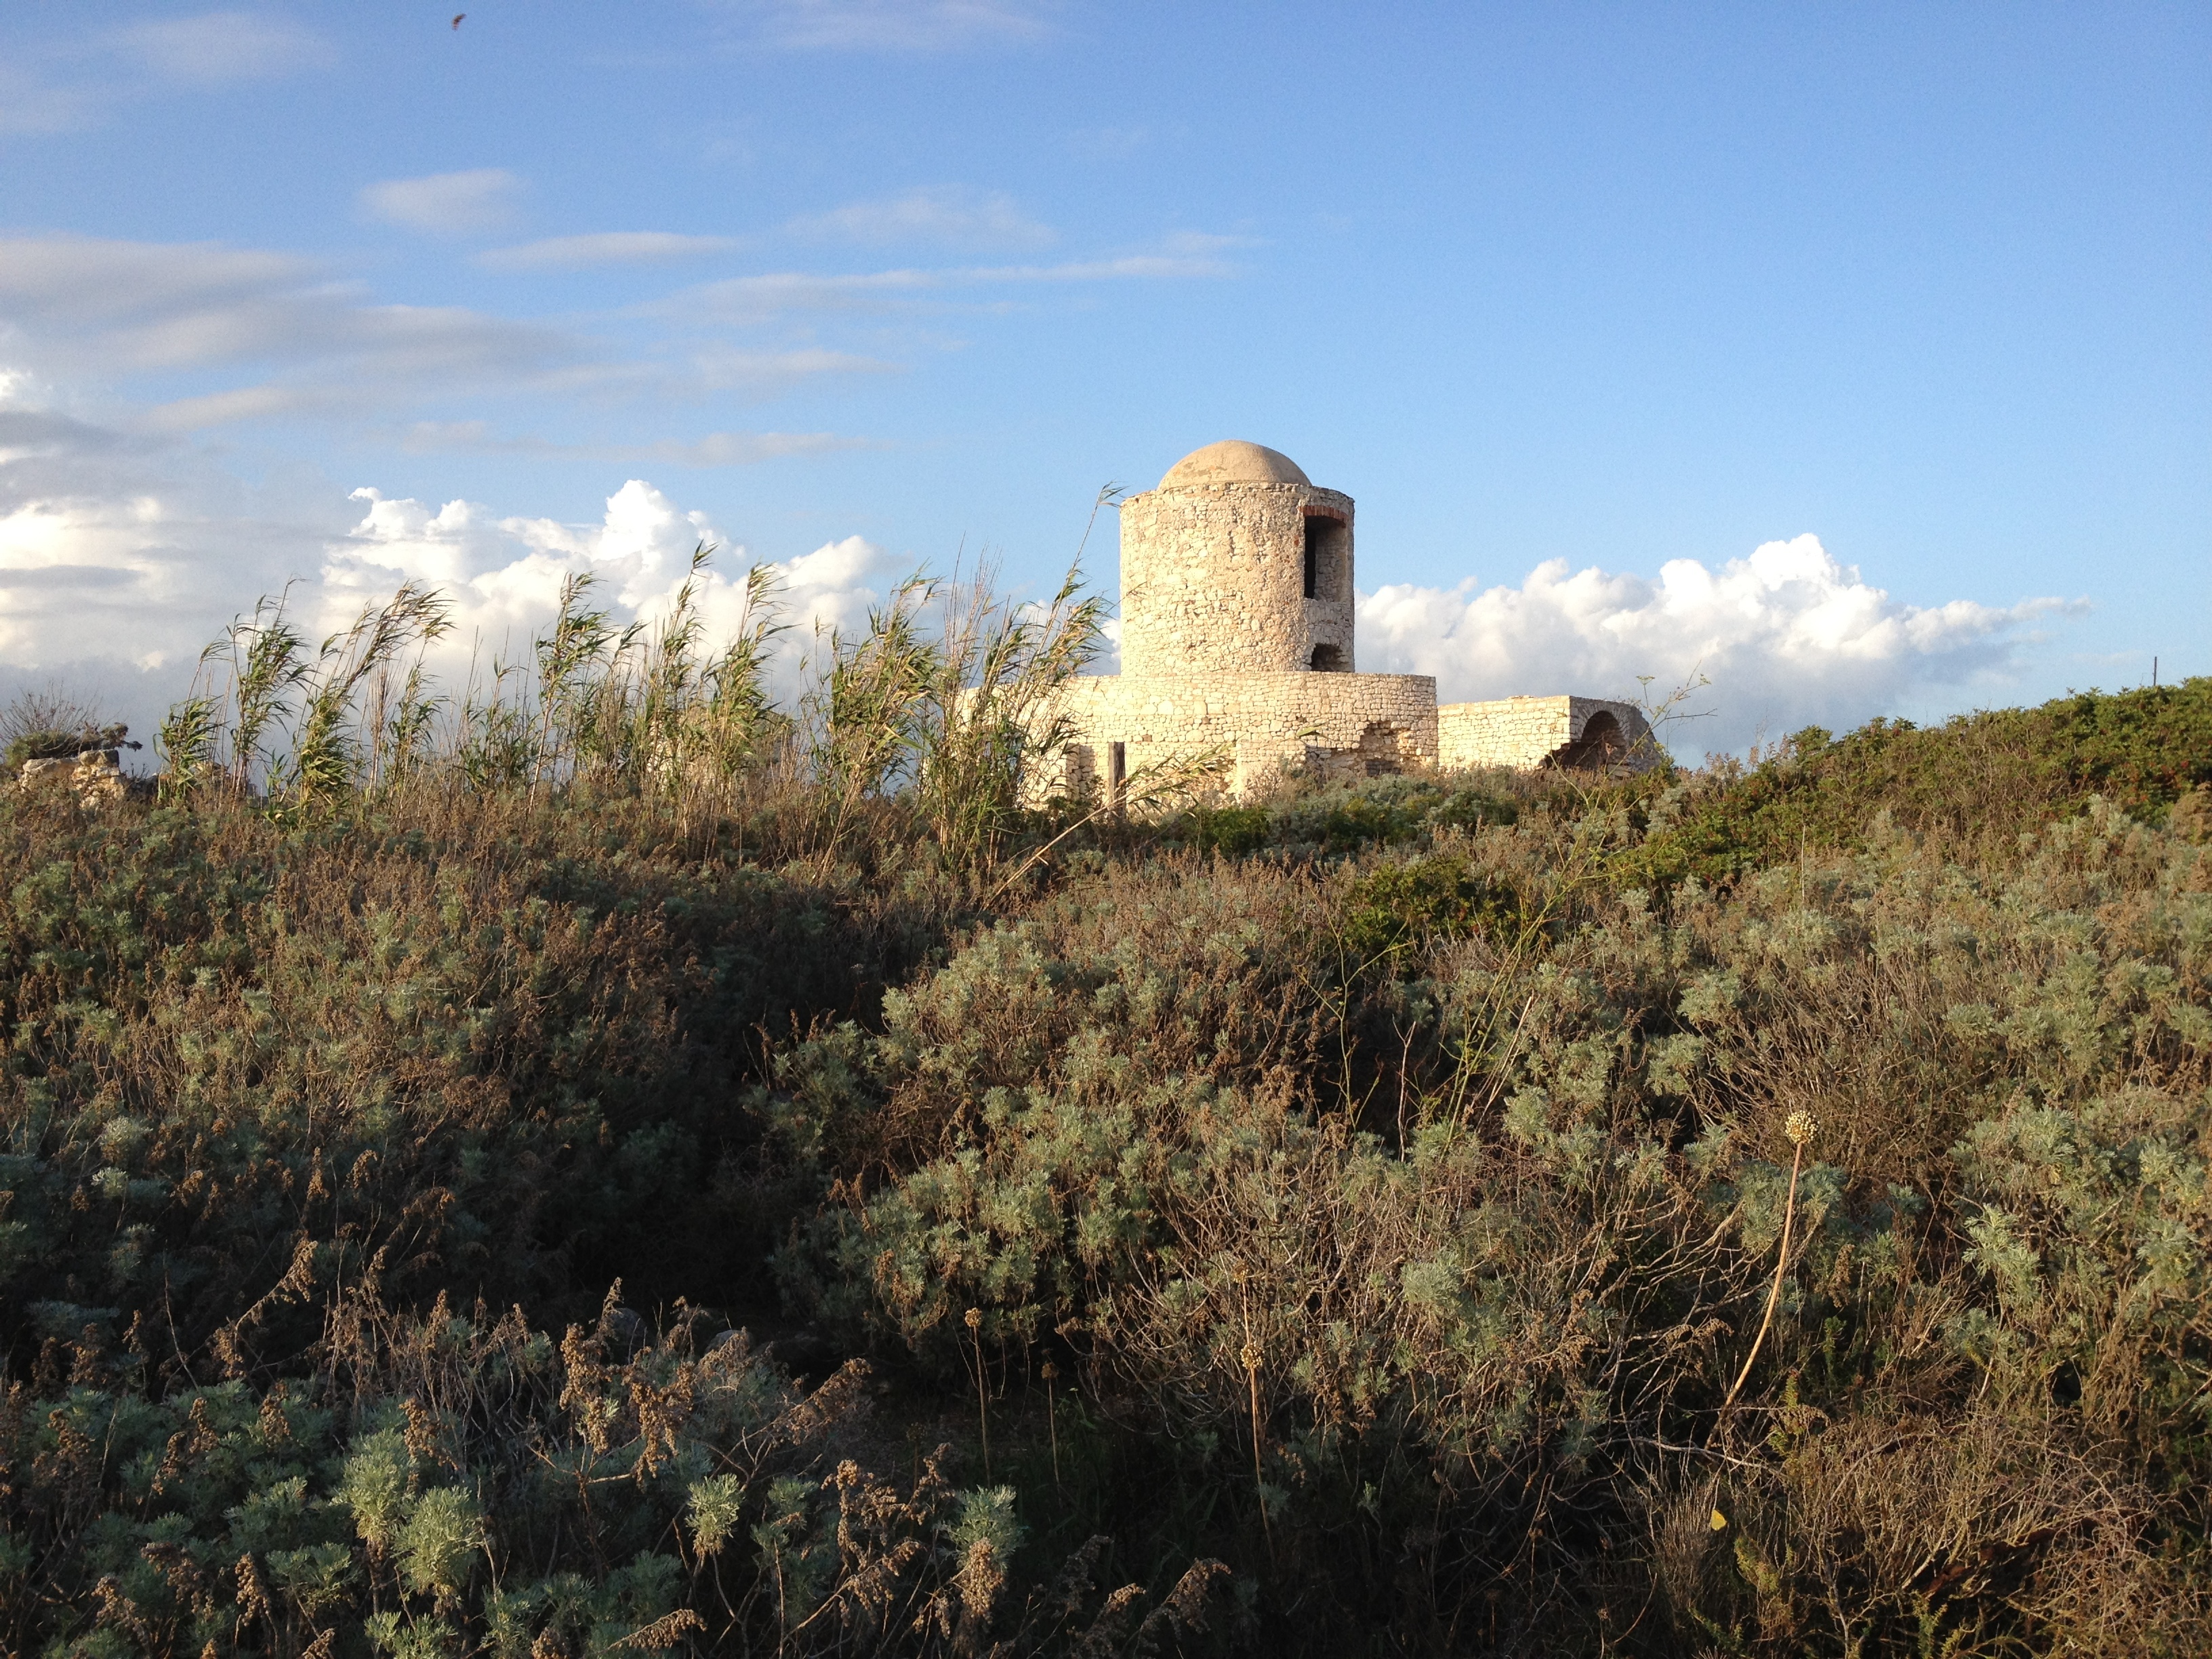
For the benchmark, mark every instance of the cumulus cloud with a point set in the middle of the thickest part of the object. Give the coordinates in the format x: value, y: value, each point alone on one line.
x: 950, y: 216
x: 447, y: 203
x: 502, y: 575
x: 122, y: 552
x: 122, y: 556
x: 1787, y: 637
x: 604, y: 248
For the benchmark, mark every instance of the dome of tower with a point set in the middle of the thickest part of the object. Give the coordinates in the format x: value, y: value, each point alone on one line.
x: 1235, y: 462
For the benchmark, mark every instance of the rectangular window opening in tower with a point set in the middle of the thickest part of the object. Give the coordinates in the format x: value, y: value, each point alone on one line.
x: 1324, y: 572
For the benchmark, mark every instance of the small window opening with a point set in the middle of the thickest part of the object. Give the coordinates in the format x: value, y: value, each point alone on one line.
x: 1327, y: 659
x: 1326, y: 575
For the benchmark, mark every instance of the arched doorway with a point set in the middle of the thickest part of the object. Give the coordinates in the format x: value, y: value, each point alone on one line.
x: 1601, y: 744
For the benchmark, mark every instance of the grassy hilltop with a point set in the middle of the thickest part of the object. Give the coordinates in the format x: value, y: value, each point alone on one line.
x: 620, y: 1168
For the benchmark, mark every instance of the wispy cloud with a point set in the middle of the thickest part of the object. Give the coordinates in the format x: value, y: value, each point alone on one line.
x: 753, y: 299
x: 721, y: 367
x: 890, y: 25
x: 72, y: 84
x: 714, y: 449
x: 1117, y: 142
x: 447, y: 203
x: 80, y: 307
x: 1786, y: 636
x: 604, y: 248
x: 223, y: 48
x: 111, y: 307
x: 948, y: 215
x: 30, y: 104
x: 241, y: 404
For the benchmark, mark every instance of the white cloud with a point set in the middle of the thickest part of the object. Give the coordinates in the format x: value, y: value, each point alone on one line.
x: 604, y: 248
x: 223, y: 48
x: 85, y: 306
x: 503, y: 575
x: 756, y: 299
x: 890, y: 25
x: 245, y: 403
x: 120, y: 558
x: 114, y: 305
x: 948, y: 216
x: 714, y: 449
x: 70, y: 85
x: 724, y: 368
x: 447, y: 203
x: 297, y: 341
x: 86, y: 282
x: 1788, y: 637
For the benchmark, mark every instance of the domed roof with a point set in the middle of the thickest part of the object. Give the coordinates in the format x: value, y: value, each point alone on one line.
x: 1235, y: 462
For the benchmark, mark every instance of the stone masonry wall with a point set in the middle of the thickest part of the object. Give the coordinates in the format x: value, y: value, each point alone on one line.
x: 1213, y: 579
x: 1263, y: 723
x: 1526, y: 732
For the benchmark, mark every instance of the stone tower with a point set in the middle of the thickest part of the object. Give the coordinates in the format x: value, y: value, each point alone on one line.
x: 1238, y: 564
x: 1236, y: 609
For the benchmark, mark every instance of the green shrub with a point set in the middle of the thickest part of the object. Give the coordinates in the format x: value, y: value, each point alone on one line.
x: 1368, y: 1218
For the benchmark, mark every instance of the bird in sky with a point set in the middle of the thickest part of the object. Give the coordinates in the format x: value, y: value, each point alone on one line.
x: 457, y: 18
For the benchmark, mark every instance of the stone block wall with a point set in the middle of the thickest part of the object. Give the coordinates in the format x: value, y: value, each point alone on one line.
x: 1213, y: 579
x: 1261, y: 724
x: 1528, y: 732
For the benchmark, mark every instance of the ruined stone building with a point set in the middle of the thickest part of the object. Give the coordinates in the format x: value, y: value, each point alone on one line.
x: 1237, y: 636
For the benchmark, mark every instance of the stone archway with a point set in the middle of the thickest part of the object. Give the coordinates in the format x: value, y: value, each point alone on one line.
x: 1602, y: 744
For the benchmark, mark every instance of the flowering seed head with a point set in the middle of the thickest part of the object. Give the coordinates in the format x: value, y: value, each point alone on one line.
x: 974, y: 1319
x: 1250, y: 1355
x: 1800, y: 1127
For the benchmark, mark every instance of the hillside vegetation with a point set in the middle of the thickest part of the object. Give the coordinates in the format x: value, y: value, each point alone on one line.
x: 617, y: 1167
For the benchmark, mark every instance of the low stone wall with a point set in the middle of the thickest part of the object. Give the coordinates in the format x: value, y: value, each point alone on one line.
x: 1524, y: 732
x: 95, y: 777
x: 1261, y: 723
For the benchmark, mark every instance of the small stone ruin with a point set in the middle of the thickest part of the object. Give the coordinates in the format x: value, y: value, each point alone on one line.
x: 94, y: 776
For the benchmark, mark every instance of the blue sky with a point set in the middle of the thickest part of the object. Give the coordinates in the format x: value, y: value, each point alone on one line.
x: 1859, y: 355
